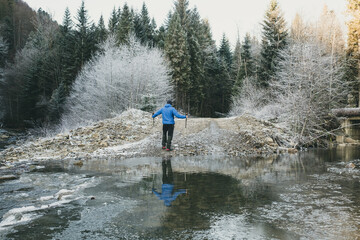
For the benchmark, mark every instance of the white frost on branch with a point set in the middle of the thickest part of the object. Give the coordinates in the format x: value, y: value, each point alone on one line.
x: 308, y: 85
x: 253, y: 100
x: 116, y: 79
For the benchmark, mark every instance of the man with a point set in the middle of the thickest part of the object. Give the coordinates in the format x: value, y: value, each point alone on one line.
x: 168, y: 113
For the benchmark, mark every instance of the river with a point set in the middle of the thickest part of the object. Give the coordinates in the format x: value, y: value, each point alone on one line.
x: 309, y: 195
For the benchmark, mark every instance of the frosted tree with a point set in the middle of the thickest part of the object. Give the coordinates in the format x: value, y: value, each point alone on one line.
x: 117, y: 78
x: 328, y: 32
x: 253, y: 100
x: 309, y: 84
x: 353, y: 43
x: 299, y: 31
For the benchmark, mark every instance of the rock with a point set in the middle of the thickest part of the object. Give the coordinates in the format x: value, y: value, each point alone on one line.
x: 8, y: 177
x: 3, y: 136
x: 269, y: 140
x: 104, y: 144
x: 78, y: 163
x: 350, y: 165
x: 292, y: 150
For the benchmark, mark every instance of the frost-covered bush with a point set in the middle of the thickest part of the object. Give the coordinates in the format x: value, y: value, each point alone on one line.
x: 308, y: 84
x: 254, y: 100
x: 116, y: 79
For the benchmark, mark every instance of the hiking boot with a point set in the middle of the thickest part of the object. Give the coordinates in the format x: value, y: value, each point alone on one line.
x: 163, y: 147
x: 168, y: 149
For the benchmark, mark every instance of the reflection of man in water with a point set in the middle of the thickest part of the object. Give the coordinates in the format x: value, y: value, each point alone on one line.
x: 168, y: 184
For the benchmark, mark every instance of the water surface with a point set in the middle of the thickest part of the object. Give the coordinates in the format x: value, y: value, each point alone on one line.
x: 310, y: 195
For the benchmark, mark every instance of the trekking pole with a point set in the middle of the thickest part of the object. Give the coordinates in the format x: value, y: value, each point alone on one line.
x: 153, y: 119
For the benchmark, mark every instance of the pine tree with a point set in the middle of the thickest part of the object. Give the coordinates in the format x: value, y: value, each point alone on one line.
x: 274, y: 39
x: 236, y: 59
x: 194, y: 37
x: 101, y: 32
x: 226, y: 85
x: 176, y: 49
x: 3, y: 53
x: 125, y: 26
x: 211, y: 73
x: 67, y: 23
x: 225, y: 52
x: 3, y: 57
x: 146, y: 30
x: 159, y: 37
x: 16, y: 24
x: 113, y: 21
x: 67, y: 52
x: 84, y: 37
x: 247, y: 65
x: 181, y: 8
x: 154, y: 32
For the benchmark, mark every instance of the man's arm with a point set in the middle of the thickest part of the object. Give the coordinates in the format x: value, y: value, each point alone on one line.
x: 176, y: 114
x: 156, y: 193
x: 157, y: 113
x: 176, y: 194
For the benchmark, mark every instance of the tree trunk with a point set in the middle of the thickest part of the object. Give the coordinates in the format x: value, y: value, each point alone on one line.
x: 359, y: 83
x: 346, y: 112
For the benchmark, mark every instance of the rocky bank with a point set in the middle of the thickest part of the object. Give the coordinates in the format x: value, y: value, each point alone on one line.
x: 135, y: 134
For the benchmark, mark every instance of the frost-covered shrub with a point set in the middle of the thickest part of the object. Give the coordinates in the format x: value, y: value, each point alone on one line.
x: 116, y: 79
x: 308, y: 84
x: 254, y: 100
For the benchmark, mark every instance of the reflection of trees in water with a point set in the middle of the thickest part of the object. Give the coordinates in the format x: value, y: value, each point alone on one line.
x: 228, y: 187
x: 259, y: 181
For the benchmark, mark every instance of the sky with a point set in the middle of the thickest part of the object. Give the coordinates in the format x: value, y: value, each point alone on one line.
x: 232, y: 17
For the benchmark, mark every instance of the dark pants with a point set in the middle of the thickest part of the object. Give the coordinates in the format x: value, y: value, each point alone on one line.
x: 167, y: 177
x: 168, y: 130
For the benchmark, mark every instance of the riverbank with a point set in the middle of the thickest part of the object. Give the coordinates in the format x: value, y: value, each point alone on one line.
x: 135, y: 134
x: 11, y: 137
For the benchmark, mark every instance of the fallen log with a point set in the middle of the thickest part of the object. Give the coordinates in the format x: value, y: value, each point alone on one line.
x: 346, y: 112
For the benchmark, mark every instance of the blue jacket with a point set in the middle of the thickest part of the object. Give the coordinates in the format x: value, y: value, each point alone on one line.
x: 168, y: 113
x: 167, y: 195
